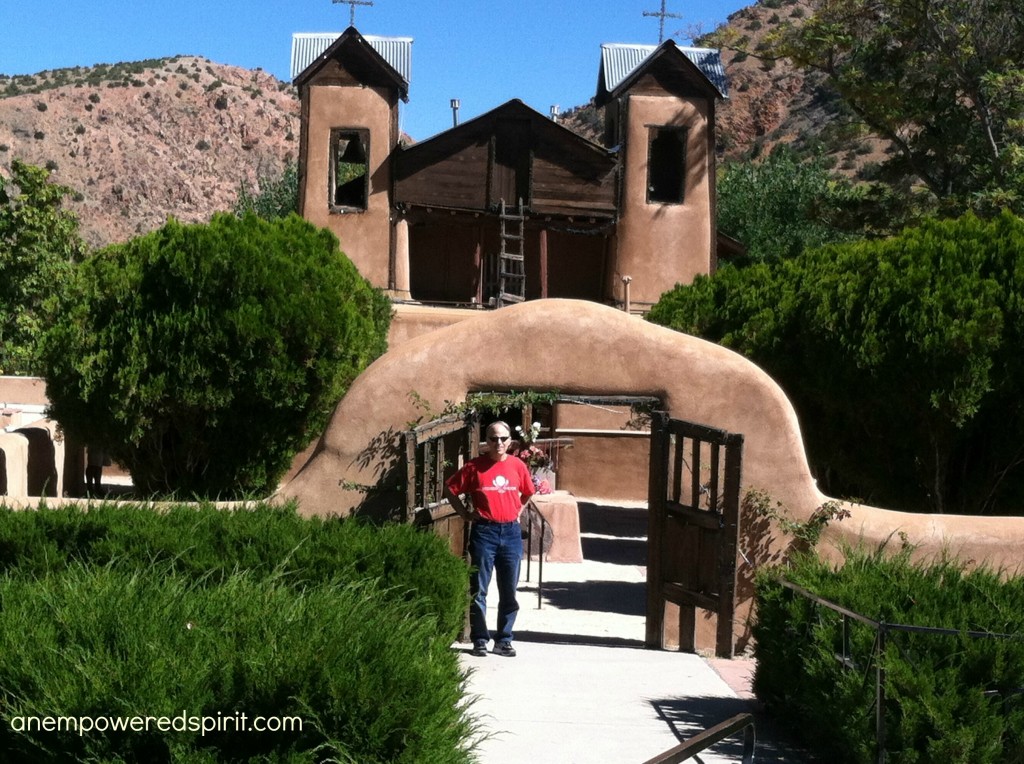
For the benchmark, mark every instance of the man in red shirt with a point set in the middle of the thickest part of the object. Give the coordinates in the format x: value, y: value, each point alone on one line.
x: 498, y: 486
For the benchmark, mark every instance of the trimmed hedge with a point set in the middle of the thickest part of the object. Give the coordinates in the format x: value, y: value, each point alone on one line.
x: 125, y: 611
x: 949, y: 699
x: 370, y: 682
x: 203, y: 357
x: 208, y: 544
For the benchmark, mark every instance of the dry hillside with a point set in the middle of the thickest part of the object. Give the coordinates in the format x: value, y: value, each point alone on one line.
x: 143, y: 141
x: 138, y: 142
x: 770, y: 101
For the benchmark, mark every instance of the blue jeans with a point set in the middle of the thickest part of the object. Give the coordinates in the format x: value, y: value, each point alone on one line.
x: 494, y: 547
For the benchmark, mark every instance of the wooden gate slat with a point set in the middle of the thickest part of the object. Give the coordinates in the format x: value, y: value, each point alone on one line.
x: 680, y: 595
x: 657, y: 492
x: 692, y: 515
x: 692, y: 549
x: 695, y: 473
x: 713, y: 482
x: 677, y: 471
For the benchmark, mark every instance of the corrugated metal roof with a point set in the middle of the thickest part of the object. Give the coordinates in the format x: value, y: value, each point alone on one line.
x: 619, y: 60
x: 307, y: 46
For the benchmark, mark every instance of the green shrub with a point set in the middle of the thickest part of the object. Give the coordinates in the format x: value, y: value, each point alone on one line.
x: 368, y: 681
x: 38, y: 241
x: 950, y: 699
x: 901, y: 357
x: 207, y: 545
x: 278, y: 196
x: 204, y: 357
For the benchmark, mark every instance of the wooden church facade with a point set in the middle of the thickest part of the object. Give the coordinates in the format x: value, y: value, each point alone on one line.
x: 511, y: 205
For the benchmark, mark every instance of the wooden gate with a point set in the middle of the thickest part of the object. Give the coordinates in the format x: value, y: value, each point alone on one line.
x: 693, y: 531
x: 434, y: 452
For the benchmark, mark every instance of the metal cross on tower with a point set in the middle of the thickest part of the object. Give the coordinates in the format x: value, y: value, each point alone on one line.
x: 353, y: 3
x: 661, y: 15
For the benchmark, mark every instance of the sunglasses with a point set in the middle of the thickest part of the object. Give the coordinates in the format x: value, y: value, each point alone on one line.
x: 499, y: 439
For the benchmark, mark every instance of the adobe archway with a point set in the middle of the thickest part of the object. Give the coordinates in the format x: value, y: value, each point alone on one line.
x: 590, y: 349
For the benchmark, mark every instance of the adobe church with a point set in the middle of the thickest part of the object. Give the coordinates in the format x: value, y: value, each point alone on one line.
x: 511, y: 206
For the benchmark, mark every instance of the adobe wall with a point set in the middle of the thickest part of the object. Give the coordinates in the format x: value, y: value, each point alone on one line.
x: 583, y: 348
x: 609, y: 452
x: 574, y: 347
x: 411, y: 320
x: 660, y: 245
x: 365, y: 236
x: 45, y: 469
x: 22, y: 391
x: 13, y: 464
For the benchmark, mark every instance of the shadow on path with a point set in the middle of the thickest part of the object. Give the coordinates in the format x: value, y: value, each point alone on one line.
x: 616, y: 551
x: 577, y: 639
x: 624, y: 597
x: 687, y: 717
x: 625, y: 522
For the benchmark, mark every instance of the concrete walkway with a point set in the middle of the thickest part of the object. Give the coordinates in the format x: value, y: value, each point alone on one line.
x: 582, y: 687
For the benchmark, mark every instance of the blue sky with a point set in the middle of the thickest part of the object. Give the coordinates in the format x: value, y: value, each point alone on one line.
x: 484, y: 53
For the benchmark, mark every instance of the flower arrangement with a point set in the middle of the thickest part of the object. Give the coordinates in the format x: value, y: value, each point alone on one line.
x: 540, y: 460
x: 526, y: 448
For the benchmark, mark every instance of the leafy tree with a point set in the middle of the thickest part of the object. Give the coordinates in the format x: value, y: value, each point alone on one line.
x: 204, y: 357
x: 779, y: 206
x: 901, y: 356
x: 277, y: 197
x: 38, y: 242
x: 941, y: 79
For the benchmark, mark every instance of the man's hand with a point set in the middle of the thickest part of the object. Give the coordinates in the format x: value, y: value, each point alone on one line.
x: 460, y: 506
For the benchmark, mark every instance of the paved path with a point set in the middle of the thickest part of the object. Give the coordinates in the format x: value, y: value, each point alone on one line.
x: 583, y: 688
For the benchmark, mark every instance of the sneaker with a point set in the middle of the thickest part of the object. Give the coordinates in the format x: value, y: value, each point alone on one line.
x: 479, y: 649
x: 504, y: 649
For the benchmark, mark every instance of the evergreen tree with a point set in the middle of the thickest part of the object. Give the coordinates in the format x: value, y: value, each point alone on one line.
x: 277, y: 197
x: 941, y: 79
x: 204, y: 357
x: 38, y: 242
x: 901, y: 357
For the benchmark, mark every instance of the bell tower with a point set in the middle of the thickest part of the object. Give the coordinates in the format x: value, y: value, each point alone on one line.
x: 349, y: 96
x: 661, y: 117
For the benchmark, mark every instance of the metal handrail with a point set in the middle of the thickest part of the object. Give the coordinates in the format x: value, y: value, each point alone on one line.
x: 540, y: 553
x: 878, y: 649
x: 704, y: 740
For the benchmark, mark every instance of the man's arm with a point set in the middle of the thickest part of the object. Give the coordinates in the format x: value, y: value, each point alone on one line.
x: 527, y: 500
x: 459, y: 505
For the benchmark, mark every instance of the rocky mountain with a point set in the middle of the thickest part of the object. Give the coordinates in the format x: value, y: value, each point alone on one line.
x: 770, y: 101
x: 138, y: 142
x: 143, y: 141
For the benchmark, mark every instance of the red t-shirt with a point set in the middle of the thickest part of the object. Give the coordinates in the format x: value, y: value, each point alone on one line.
x: 496, y: 489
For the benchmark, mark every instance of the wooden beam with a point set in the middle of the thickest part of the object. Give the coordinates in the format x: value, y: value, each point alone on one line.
x: 543, y: 263
x: 478, y: 265
x: 409, y: 510
x: 657, y: 492
x: 682, y: 596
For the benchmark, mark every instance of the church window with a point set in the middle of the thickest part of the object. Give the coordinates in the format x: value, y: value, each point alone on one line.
x: 350, y: 169
x: 666, y: 165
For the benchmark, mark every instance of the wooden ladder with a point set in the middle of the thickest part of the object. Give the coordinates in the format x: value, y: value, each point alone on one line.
x: 511, y: 262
